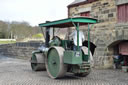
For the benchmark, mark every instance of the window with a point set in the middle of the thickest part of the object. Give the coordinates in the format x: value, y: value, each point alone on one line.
x: 87, y: 14
x: 122, y: 13
x: 123, y: 48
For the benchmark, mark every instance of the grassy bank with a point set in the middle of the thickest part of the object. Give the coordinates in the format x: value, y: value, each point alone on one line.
x: 7, y: 42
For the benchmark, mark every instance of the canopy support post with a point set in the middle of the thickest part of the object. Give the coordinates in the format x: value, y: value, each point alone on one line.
x: 88, y: 41
x: 77, y: 28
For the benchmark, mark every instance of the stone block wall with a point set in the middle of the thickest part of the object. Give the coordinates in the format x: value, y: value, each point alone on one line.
x: 18, y: 50
x: 105, y: 32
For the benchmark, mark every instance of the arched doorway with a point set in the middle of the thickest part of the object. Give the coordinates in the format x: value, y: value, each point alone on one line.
x: 119, y: 51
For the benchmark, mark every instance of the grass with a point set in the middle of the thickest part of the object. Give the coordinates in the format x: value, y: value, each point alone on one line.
x: 7, y: 42
x: 39, y: 35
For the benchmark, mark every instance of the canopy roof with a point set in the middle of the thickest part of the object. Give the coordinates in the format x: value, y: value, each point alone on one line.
x: 68, y: 22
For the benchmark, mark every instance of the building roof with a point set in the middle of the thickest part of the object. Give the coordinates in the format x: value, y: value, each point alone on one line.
x: 80, y: 2
x: 76, y: 2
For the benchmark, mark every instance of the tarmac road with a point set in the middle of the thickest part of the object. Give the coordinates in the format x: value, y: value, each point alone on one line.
x: 18, y: 72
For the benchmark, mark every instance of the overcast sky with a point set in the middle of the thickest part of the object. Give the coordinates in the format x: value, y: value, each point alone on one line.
x: 33, y: 11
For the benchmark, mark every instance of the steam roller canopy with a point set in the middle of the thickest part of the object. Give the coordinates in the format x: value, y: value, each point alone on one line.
x: 54, y: 62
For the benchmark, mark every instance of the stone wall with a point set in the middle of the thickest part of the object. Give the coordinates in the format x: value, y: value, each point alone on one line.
x: 19, y: 50
x: 105, y: 32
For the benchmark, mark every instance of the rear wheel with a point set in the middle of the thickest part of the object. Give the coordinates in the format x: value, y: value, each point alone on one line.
x: 87, y: 69
x: 82, y: 74
x: 54, y: 62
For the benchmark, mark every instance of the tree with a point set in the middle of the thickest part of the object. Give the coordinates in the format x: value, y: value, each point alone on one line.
x: 17, y: 30
x: 3, y: 29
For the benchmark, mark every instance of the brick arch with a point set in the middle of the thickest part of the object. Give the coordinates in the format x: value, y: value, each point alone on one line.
x: 115, y: 43
x: 112, y: 42
x: 113, y: 48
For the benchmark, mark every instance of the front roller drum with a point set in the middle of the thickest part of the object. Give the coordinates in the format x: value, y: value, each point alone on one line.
x: 35, y: 65
x: 54, y: 62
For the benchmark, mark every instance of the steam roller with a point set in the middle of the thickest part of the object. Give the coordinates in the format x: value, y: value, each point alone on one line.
x: 57, y: 55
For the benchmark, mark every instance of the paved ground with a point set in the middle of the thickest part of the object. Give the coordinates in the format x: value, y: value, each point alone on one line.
x: 18, y: 72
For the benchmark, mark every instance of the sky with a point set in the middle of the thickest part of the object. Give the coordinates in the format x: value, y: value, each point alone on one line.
x: 33, y: 11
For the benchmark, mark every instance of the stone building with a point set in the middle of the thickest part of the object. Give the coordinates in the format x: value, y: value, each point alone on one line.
x: 110, y: 34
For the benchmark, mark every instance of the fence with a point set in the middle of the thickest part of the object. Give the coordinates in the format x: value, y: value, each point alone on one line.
x: 28, y: 44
